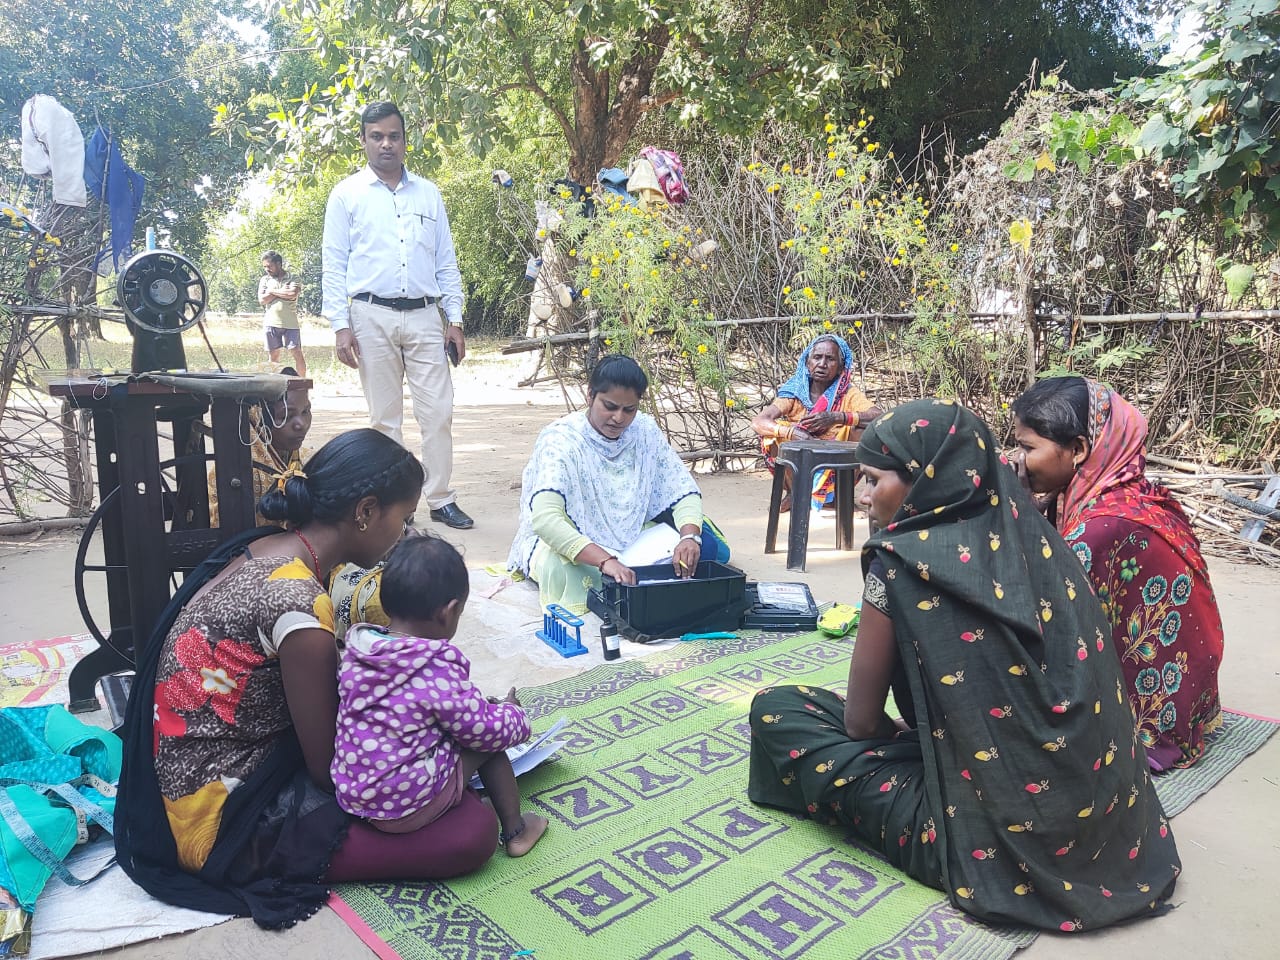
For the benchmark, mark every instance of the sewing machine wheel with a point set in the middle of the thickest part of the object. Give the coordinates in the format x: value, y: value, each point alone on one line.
x: 92, y: 538
x: 162, y: 291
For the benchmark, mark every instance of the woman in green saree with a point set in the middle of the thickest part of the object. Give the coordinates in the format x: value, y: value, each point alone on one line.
x: 1014, y: 780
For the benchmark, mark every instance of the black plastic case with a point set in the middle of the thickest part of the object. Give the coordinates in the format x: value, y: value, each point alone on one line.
x: 713, y: 599
x: 787, y: 618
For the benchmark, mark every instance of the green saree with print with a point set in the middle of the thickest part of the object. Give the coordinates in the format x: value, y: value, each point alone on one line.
x: 1022, y: 790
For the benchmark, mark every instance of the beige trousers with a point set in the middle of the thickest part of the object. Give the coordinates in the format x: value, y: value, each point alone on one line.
x: 397, y: 345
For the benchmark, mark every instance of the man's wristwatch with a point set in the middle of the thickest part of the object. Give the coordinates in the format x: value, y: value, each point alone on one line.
x: 691, y: 536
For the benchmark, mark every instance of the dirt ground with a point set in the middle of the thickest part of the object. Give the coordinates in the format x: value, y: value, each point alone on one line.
x: 1226, y: 900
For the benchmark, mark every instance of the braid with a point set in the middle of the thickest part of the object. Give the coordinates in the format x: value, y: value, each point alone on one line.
x: 398, y: 479
x: 287, y: 500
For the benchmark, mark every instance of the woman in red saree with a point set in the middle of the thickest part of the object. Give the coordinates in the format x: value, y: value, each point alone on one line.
x: 1084, y: 445
x: 819, y: 402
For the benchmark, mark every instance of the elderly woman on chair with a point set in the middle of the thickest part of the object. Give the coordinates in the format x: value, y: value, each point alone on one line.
x: 819, y: 402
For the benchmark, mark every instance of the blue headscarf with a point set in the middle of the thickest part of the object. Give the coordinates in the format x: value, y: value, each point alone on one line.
x: 798, y: 386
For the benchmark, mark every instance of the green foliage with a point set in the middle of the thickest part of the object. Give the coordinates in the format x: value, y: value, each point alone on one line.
x: 294, y: 72
x: 287, y: 214
x: 1238, y: 278
x: 1093, y: 129
x: 1105, y: 355
x: 1197, y: 133
x: 855, y: 194
x: 595, y: 66
x: 1266, y: 416
x: 1083, y: 137
x: 968, y: 56
x: 1214, y: 110
x: 853, y: 237
x: 636, y: 268
x: 152, y: 74
x: 492, y: 266
x: 289, y: 220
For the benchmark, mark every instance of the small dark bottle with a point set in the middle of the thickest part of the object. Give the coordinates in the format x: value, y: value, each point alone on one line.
x: 610, y: 640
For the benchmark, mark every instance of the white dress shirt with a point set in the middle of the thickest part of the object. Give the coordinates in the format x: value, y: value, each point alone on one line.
x: 391, y: 243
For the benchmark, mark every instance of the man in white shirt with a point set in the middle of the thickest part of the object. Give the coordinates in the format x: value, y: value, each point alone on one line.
x: 393, y: 295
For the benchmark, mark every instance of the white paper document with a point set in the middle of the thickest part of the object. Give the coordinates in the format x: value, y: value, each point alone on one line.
x: 655, y: 544
x: 525, y: 756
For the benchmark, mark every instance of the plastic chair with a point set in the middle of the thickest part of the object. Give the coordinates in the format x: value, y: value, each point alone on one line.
x: 804, y: 458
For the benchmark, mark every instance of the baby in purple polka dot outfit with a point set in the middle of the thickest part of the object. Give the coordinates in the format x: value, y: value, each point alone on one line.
x: 412, y: 728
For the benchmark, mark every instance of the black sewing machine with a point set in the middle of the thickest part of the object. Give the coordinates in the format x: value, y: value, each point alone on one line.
x: 162, y: 294
x: 151, y: 445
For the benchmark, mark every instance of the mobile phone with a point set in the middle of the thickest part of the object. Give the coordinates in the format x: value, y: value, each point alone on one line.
x: 451, y: 350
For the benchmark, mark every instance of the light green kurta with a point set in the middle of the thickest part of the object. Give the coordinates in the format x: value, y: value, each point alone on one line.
x: 560, y: 580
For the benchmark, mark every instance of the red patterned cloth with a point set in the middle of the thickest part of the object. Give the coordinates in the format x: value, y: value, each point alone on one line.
x: 670, y: 173
x: 1146, y: 567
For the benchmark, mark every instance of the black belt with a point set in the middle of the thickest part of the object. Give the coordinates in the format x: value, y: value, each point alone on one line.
x: 396, y: 303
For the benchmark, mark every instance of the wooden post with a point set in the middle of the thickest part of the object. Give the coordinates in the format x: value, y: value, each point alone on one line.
x: 1029, y: 320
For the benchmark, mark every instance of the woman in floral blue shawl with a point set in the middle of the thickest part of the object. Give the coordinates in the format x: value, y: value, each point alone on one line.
x: 819, y: 402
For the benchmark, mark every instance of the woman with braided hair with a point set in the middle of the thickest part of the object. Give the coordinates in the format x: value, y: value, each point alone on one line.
x: 226, y: 801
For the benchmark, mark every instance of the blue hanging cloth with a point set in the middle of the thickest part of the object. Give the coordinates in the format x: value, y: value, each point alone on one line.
x: 113, y: 182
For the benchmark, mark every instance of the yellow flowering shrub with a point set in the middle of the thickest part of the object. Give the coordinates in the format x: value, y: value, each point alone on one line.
x: 830, y: 237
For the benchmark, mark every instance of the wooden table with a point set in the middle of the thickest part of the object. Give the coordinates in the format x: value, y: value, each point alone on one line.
x: 149, y: 534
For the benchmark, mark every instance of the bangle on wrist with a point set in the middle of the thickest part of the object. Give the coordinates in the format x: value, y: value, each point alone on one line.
x: 600, y: 565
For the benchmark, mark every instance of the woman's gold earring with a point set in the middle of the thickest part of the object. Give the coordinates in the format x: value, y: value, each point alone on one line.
x: 361, y: 526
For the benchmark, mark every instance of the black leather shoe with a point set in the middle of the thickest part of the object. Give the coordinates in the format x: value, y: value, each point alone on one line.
x: 451, y: 515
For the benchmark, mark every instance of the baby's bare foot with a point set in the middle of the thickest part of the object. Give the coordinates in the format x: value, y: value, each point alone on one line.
x: 524, y: 839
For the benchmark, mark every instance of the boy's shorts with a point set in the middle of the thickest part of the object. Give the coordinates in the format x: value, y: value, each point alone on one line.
x: 278, y: 337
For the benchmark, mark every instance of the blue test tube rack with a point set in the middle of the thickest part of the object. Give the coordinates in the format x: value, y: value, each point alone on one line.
x: 556, y: 621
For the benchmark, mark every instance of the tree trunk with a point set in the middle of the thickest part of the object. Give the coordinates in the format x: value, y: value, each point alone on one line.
x: 81, y: 231
x: 635, y: 89
x: 1029, y: 321
x: 603, y: 131
x: 75, y: 447
x: 590, y: 117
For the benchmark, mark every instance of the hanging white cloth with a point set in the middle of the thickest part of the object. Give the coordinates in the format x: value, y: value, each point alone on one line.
x: 53, y: 146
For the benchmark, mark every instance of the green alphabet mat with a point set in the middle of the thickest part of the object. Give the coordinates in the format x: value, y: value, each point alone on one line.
x: 654, y: 851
